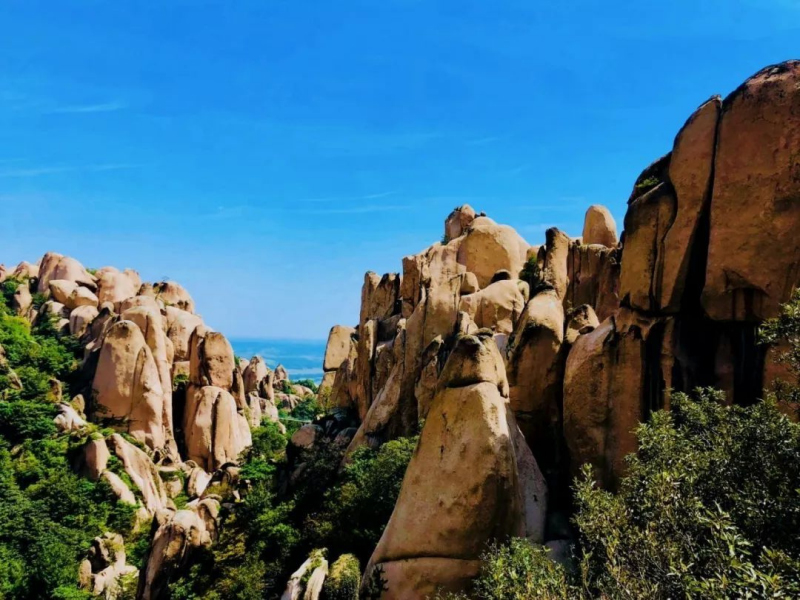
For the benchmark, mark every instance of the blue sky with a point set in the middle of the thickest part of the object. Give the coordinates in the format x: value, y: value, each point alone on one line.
x: 266, y: 154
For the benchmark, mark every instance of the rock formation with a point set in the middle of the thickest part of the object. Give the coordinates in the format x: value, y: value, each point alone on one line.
x: 590, y: 346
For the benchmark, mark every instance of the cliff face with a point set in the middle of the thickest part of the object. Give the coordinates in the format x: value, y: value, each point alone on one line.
x: 592, y: 334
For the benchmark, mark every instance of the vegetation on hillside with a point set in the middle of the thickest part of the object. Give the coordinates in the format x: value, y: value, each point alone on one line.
x: 48, y: 514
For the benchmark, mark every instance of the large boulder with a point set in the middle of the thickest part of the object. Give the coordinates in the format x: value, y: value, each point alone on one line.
x: 498, y: 306
x: 458, y: 221
x: 488, y: 248
x: 211, y: 358
x: 593, y: 275
x: 599, y: 227
x: 255, y: 372
x: 462, y: 486
x: 690, y: 170
x: 174, y: 542
x: 127, y: 385
x: 536, y: 373
x: 180, y: 327
x: 141, y: 471
x: 379, y: 296
x: 215, y: 432
x: 174, y: 294
x: 115, y: 286
x: 56, y: 266
x: 338, y: 347
x: 754, y: 249
x: 615, y: 377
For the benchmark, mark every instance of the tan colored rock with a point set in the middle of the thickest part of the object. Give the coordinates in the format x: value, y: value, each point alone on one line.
x: 140, y: 301
x: 151, y: 325
x: 198, y: 482
x: 142, y: 472
x: 690, y: 170
x: 280, y: 374
x: 81, y: 296
x: 646, y: 224
x: 554, y: 272
x: 119, y: 488
x: 489, y: 247
x: 599, y: 227
x: 215, y: 432
x: 379, y: 296
x: 593, y: 275
x: 172, y: 547
x: 128, y: 386
x: 536, y: 373
x: 68, y: 419
x: 22, y: 300
x: 754, y: 249
x: 606, y: 390
x: 95, y: 458
x: 81, y: 318
x: 464, y: 468
x: 180, y: 326
x: 212, y: 359
x: 458, y: 221
x: 174, y: 294
x: 338, y: 347
x: 61, y: 290
x: 316, y: 581
x: 25, y: 270
x: 114, y: 287
x: 582, y: 320
x: 54, y: 266
x: 254, y: 410
x: 497, y: 306
x: 306, y: 436
x: 255, y: 372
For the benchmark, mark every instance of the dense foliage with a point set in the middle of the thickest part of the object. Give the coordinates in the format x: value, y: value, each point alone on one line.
x: 278, y: 524
x: 48, y: 515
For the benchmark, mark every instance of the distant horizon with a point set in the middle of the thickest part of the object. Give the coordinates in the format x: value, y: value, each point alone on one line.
x: 266, y: 163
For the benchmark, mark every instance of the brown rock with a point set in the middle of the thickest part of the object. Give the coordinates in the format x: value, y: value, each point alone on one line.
x: 174, y: 294
x: 380, y: 296
x: 338, y: 347
x: 458, y: 221
x: 215, y: 432
x: 754, y: 249
x: 498, y: 306
x: 212, y: 361
x: 142, y: 472
x: 489, y: 247
x: 113, y: 286
x: 128, y: 386
x: 599, y: 227
x: 464, y: 468
x: 690, y: 170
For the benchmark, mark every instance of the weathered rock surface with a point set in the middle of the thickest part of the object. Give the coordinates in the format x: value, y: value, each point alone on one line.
x: 599, y: 227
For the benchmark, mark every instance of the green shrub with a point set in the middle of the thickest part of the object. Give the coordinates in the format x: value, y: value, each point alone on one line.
x: 343, y: 580
x: 518, y: 570
x: 357, y: 508
x: 710, y: 507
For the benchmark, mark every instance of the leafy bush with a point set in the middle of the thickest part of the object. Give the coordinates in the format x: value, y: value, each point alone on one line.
x: 710, y: 507
x: 357, y: 508
x: 343, y: 580
x: 518, y: 570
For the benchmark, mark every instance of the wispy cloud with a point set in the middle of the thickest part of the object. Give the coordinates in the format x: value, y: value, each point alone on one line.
x: 489, y: 139
x: 88, y: 108
x: 38, y: 171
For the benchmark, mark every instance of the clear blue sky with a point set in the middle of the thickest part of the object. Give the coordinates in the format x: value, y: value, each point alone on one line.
x: 266, y: 154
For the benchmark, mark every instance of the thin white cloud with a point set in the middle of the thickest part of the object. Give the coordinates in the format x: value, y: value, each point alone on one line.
x: 348, y: 199
x: 89, y: 108
x: 38, y: 171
